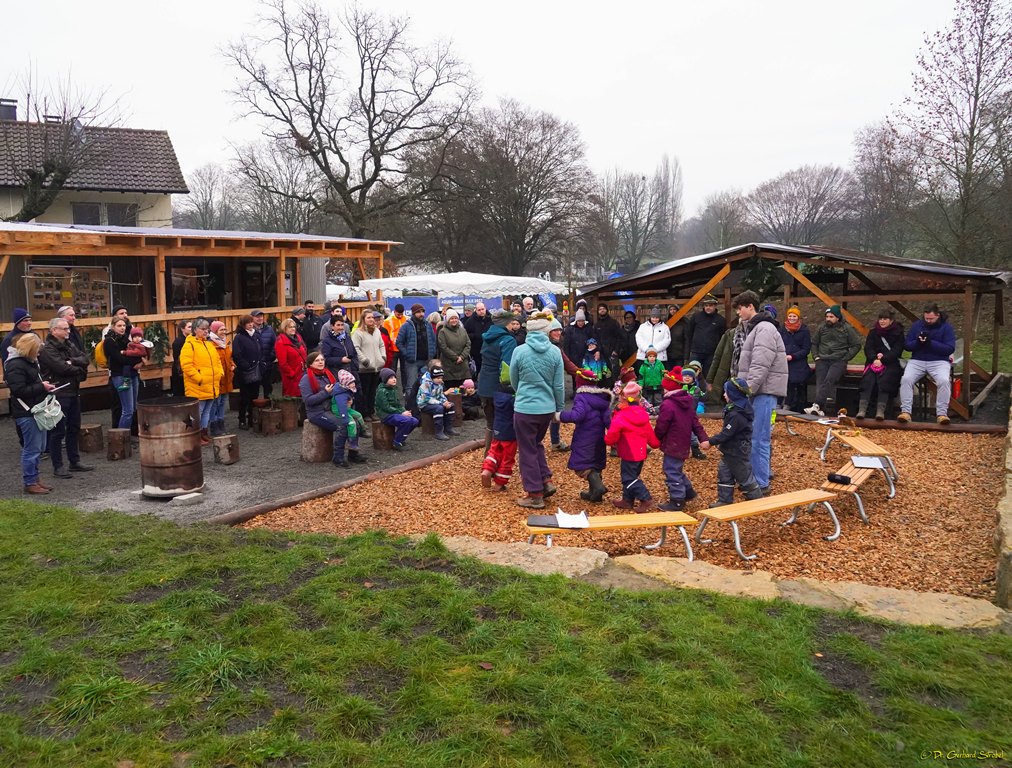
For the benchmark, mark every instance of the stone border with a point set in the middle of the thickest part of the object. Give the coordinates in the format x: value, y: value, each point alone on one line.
x: 242, y: 515
x: 1003, y: 533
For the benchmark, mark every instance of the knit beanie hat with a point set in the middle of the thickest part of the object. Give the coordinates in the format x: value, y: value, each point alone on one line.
x: 771, y: 310
x: 655, y: 311
x: 585, y: 374
x: 794, y: 310
x: 345, y: 378
x: 216, y: 327
x: 416, y: 308
x: 135, y: 331
x: 297, y: 312
x: 435, y: 372
x: 502, y: 317
x: 631, y: 391
x: 117, y: 308
x: 452, y: 313
x: 626, y: 375
x: 672, y: 380
x: 651, y: 351
x: 687, y: 371
x: 737, y: 391
x: 385, y: 374
x: 835, y: 310
x: 399, y: 308
x: 696, y: 366
x: 591, y: 343
x: 539, y: 322
x: 555, y: 325
x: 467, y: 384
x: 581, y: 315
x: 21, y: 314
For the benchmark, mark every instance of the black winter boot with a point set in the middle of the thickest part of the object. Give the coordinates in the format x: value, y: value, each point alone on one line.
x: 597, y: 486
x: 355, y: 458
x: 697, y: 452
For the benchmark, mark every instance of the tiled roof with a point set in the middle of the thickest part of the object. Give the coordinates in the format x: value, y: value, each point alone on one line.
x: 125, y: 160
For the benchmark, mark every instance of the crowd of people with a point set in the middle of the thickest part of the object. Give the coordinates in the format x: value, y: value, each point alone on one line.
x: 754, y: 366
x: 511, y: 369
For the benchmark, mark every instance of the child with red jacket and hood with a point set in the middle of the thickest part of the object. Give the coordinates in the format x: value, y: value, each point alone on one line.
x: 676, y: 424
x: 631, y: 433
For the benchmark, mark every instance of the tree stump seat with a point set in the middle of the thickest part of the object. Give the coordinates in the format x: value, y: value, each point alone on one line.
x: 317, y: 444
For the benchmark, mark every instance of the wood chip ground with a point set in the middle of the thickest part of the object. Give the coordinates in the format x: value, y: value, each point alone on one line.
x: 935, y: 536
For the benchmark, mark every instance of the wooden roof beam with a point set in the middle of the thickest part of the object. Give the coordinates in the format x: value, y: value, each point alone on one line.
x: 817, y: 291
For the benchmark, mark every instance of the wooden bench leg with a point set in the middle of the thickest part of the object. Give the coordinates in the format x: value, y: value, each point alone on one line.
x: 829, y: 439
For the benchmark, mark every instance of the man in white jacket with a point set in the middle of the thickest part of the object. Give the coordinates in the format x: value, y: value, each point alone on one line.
x: 653, y: 333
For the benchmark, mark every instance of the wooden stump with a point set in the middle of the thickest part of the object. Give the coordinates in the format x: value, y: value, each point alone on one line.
x: 289, y: 414
x: 226, y: 449
x: 90, y: 440
x: 382, y: 436
x: 270, y: 421
x: 119, y: 445
x: 317, y: 444
x: 428, y: 424
x: 458, y: 406
x: 258, y: 405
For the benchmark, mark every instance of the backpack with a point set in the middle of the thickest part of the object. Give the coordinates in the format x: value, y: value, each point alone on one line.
x: 100, y: 359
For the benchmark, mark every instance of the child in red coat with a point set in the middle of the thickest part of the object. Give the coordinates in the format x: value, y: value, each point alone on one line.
x: 630, y: 433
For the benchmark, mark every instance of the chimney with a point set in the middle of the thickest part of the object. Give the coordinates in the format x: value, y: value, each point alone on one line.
x: 8, y: 109
x: 53, y: 118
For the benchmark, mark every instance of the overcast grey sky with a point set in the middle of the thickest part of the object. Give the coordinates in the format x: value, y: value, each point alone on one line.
x: 736, y: 91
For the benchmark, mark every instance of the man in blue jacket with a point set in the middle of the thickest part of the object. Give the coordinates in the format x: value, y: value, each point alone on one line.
x: 266, y: 336
x: 417, y: 342
x: 931, y: 341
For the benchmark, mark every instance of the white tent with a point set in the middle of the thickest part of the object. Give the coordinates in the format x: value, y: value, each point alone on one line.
x: 463, y: 284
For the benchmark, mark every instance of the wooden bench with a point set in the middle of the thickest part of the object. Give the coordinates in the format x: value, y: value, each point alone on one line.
x: 732, y: 513
x: 660, y: 520
x: 858, y: 476
x: 861, y: 445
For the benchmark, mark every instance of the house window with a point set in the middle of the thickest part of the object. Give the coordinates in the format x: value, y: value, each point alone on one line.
x: 122, y: 214
x: 86, y: 213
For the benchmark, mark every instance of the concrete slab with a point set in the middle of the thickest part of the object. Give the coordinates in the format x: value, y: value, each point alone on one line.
x: 531, y: 558
x: 701, y: 575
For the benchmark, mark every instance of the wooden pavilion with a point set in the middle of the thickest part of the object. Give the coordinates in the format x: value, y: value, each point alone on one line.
x: 811, y: 276
x: 162, y: 275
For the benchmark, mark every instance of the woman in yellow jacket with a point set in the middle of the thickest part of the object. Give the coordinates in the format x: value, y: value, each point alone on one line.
x: 219, y: 337
x: 202, y: 372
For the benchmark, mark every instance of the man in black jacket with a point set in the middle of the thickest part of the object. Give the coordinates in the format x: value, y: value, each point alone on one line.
x: 66, y: 366
x: 703, y: 333
x: 309, y: 325
x: 475, y: 325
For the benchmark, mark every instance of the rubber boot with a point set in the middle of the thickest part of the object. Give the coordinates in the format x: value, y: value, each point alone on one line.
x: 755, y: 492
x: 595, y: 487
x: 448, y: 425
x: 862, y: 409
x: 440, y: 429
x: 205, y: 438
x: 488, y: 439
x: 880, y: 409
x: 697, y: 452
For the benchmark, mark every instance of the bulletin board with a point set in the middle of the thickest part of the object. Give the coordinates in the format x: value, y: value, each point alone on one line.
x: 86, y: 289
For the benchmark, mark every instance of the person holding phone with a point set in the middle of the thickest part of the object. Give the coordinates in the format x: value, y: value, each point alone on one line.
x: 317, y: 387
x: 65, y: 366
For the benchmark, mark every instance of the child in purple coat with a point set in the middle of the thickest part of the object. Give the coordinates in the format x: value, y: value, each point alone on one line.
x: 676, y: 425
x: 591, y: 413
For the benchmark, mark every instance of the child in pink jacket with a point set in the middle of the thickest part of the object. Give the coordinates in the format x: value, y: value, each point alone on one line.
x: 630, y: 433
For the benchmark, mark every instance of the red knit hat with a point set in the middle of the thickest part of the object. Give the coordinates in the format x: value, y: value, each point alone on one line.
x: 586, y: 374
x: 626, y: 375
x: 672, y: 380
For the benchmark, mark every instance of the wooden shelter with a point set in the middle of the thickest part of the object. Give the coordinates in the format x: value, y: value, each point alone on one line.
x: 811, y: 276
x: 162, y: 275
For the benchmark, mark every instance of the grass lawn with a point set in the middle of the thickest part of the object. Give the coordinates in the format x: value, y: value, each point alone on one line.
x: 131, y: 642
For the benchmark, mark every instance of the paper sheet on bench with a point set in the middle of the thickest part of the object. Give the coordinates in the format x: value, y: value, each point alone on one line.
x: 866, y: 462
x: 571, y: 521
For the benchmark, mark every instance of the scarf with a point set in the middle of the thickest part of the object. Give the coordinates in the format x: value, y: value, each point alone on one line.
x: 792, y: 327
x: 314, y: 379
x: 219, y: 342
x: 883, y: 331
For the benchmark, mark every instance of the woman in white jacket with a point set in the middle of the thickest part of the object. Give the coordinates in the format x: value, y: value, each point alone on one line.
x: 653, y: 333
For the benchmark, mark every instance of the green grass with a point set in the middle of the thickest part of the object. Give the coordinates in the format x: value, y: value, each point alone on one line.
x: 128, y: 639
x: 982, y: 353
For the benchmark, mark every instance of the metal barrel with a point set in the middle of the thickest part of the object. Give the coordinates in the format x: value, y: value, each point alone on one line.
x: 172, y: 462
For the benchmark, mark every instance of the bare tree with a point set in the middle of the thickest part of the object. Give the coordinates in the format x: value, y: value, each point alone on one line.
x: 598, y: 227
x: 52, y: 144
x: 355, y: 97
x: 275, y: 188
x: 885, y: 193
x: 802, y: 207
x: 952, y: 123
x: 212, y: 202
x: 649, y: 212
x: 531, y: 181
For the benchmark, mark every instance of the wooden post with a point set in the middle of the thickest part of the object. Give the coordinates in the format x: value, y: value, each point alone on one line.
x: 969, y: 326
x: 270, y: 421
x: 317, y: 444
x: 289, y: 414
x: 161, y: 302
x: 382, y: 436
x: 119, y: 445
x: 458, y: 406
x: 281, y: 278
x: 91, y: 440
x: 226, y: 449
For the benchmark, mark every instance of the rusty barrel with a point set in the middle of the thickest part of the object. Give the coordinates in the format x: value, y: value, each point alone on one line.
x: 171, y: 459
